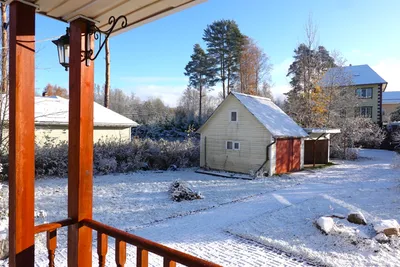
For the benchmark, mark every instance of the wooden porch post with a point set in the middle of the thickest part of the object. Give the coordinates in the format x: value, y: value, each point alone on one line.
x: 80, y: 159
x: 22, y: 134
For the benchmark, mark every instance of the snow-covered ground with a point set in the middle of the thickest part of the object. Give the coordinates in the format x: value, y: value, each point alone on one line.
x: 266, y: 222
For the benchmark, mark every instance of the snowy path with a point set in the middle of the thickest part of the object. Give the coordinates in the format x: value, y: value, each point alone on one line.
x: 204, y: 235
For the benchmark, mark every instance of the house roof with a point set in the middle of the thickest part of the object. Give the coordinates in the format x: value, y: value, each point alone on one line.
x: 137, y: 12
x: 53, y: 110
x: 277, y: 122
x: 391, y: 97
x: 352, y: 75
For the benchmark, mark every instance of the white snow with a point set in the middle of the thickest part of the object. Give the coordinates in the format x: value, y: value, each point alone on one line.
x: 277, y: 122
x: 380, y: 226
x: 326, y: 224
x: 264, y: 222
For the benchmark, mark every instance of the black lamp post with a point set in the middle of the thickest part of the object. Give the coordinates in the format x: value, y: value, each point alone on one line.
x: 62, y: 44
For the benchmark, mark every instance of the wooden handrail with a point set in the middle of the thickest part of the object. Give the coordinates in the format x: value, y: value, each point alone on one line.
x: 53, y: 225
x: 142, y: 243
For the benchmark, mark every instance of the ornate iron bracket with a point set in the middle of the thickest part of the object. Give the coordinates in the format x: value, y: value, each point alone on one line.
x: 89, y: 55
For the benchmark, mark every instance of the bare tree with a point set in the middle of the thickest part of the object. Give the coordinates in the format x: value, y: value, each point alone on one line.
x: 4, y: 82
x: 254, y: 69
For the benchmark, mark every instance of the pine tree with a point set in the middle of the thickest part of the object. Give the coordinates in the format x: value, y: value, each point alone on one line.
x: 224, y: 41
x: 306, y: 71
x: 201, y: 73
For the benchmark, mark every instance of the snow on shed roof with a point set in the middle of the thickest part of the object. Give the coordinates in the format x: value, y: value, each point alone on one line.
x: 53, y: 110
x: 277, y: 122
x: 352, y: 75
x: 391, y: 97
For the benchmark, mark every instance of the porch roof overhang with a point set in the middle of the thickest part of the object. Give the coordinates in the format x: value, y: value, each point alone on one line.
x: 137, y: 12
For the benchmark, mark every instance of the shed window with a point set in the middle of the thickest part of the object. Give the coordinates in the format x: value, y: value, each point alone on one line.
x: 233, y: 115
x: 232, y: 145
x: 229, y: 145
x: 236, y: 145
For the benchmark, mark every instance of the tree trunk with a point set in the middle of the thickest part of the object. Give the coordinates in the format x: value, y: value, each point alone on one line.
x: 107, y: 78
x: 223, y: 78
x: 228, y: 85
x: 4, y: 51
x: 201, y: 97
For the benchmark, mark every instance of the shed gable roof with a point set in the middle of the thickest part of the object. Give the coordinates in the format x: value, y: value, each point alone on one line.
x: 277, y: 122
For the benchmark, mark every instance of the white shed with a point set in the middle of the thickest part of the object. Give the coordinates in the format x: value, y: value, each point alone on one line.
x: 250, y: 134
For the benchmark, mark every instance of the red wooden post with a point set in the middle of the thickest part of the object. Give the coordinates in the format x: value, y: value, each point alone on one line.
x: 102, y: 246
x: 142, y: 258
x: 120, y: 253
x: 22, y: 134
x: 169, y: 263
x: 51, y: 246
x: 80, y: 152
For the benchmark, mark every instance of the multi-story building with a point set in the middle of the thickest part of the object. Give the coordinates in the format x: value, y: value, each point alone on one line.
x: 368, y: 87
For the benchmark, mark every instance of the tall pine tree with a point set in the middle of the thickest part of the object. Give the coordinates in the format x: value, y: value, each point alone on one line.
x: 224, y: 42
x: 201, y: 72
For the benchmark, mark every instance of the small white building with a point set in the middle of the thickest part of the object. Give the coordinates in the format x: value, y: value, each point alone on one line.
x: 250, y: 134
x: 51, y: 121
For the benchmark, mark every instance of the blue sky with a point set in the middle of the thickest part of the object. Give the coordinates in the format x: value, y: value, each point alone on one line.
x: 150, y: 60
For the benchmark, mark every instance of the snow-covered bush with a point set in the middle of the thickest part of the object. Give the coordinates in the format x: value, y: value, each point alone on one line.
x: 396, y: 161
x: 114, y: 156
x: 180, y: 190
x: 51, y: 159
x: 355, y: 132
x: 352, y: 153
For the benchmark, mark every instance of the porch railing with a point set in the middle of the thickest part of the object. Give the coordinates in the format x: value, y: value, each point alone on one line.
x: 143, y: 246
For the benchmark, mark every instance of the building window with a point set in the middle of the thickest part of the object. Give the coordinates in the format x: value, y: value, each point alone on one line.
x: 364, y: 92
x: 236, y: 146
x: 232, y: 145
x: 234, y: 116
x: 365, y: 112
x: 229, y: 145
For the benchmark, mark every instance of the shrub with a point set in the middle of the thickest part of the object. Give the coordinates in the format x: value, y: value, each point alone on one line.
x: 112, y: 156
x: 180, y: 190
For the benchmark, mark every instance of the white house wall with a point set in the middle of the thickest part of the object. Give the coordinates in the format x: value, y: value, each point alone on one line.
x: 60, y: 133
x: 253, y: 138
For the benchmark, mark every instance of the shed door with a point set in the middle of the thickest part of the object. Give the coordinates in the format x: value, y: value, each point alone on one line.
x: 287, y: 155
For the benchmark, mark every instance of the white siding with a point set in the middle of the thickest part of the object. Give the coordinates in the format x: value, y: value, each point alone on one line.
x: 253, y: 138
x: 60, y: 133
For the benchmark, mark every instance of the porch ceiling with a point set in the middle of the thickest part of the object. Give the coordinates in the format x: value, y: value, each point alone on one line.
x: 138, y: 12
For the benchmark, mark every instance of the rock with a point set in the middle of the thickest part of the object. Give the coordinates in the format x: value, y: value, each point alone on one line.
x: 381, y: 238
x: 391, y: 231
x: 357, y: 218
x: 388, y: 227
x: 336, y: 215
x: 325, y: 224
